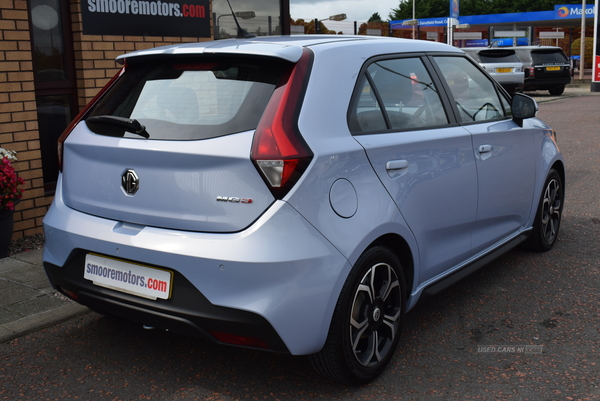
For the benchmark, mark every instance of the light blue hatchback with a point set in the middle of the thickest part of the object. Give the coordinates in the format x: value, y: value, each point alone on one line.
x: 296, y: 194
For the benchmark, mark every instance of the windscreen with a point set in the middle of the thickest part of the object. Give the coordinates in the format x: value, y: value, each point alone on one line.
x: 505, y: 56
x: 189, y: 99
x: 548, y: 56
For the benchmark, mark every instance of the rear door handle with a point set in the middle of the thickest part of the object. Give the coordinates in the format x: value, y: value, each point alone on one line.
x: 485, y: 148
x: 396, y: 168
x: 485, y: 151
x: 396, y: 165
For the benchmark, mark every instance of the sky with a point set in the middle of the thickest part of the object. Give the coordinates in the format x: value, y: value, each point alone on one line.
x: 356, y: 10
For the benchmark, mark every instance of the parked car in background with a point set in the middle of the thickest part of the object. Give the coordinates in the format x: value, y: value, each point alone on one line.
x: 546, y: 68
x: 296, y: 194
x: 502, y: 64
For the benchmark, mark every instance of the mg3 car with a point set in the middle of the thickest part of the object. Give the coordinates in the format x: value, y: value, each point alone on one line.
x: 296, y: 194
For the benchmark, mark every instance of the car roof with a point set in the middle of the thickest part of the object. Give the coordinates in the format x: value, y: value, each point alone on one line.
x: 486, y: 49
x: 285, y: 47
x: 536, y: 48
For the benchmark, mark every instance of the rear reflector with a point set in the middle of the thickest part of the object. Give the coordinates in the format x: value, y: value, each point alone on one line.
x: 243, y: 341
x: 73, y: 295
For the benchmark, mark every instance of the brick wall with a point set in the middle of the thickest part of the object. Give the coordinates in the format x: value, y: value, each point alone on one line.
x: 18, y: 117
x: 94, y: 65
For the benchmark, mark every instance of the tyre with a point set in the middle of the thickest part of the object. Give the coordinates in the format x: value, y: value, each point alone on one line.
x: 548, y: 216
x: 557, y: 91
x: 367, y: 320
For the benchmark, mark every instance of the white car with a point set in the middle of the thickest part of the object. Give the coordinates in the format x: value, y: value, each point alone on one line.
x: 502, y: 64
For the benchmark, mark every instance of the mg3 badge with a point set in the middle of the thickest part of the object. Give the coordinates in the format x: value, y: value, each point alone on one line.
x: 233, y: 199
x: 130, y: 182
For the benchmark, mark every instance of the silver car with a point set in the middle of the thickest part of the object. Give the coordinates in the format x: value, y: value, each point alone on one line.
x: 502, y: 64
x: 296, y: 194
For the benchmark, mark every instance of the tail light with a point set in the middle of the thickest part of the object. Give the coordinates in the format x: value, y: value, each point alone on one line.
x: 531, y: 71
x: 278, y: 150
x: 76, y: 120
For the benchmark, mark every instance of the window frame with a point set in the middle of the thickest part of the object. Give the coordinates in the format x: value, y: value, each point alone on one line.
x: 363, y: 75
x: 500, y: 92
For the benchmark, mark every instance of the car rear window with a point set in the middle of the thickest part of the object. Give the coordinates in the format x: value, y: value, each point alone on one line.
x: 190, y: 99
x: 495, y: 56
x: 548, y: 56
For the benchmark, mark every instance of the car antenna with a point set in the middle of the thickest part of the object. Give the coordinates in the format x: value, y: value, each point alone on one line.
x: 241, y: 32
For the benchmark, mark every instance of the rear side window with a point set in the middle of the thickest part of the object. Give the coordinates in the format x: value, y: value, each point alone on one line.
x: 397, y: 94
x: 548, y: 57
x: 190, y: 99
x: 501, y: 56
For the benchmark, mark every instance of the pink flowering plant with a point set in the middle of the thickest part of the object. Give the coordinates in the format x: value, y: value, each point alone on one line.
x: 9, y: 181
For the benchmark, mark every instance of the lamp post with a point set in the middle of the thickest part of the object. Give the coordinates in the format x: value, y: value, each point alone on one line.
x: 413, y: 17
x: 239, y: 14
x: 408, y: 22
x: 582, y: 41
x: 412, y: 22
x: 336, y: 17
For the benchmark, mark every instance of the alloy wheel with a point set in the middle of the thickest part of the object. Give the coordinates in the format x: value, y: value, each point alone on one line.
x: 551, y: 209
x: 375, y: 315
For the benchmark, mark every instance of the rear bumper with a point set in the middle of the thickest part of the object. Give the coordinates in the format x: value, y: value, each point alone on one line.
x: 187, y: 311
x: 512, y: 87
x: 508, y: 79
x: 543, y: 84
x: 277, y: 281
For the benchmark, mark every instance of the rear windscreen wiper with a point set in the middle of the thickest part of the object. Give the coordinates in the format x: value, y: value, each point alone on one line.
x: 128, y: 124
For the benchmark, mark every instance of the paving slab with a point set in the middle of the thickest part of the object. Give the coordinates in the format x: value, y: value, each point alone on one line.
x: 27, y: 300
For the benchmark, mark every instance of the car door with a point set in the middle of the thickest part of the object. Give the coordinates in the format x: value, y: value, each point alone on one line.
x: 503, y: 151
x: 425, y: 162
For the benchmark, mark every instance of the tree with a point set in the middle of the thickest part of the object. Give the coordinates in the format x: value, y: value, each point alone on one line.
x: 425, y: 9
x: 375, y: 18
x: 589, y: 50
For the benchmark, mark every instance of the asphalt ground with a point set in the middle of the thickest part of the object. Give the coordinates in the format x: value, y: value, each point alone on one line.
x: 526, y: 327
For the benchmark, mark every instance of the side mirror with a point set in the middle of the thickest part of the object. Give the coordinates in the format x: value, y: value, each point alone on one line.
x: 523, y: 107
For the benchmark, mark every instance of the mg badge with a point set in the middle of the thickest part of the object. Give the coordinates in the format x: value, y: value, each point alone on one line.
x: 130, y: 182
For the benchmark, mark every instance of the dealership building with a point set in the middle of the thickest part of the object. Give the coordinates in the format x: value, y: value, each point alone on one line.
x: 55, y: 55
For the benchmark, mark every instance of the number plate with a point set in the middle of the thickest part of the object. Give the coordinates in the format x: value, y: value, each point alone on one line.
x: 142, y: 281
x: 552, y: 68
x: 503, y: 69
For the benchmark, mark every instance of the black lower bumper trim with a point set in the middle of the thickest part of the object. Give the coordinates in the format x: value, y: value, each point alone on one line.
x: 187, y: 311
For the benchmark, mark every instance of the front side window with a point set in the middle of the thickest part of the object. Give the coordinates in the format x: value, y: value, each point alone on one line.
x: 474, y: 94
x: 396, y: 94
x: 188, y: 99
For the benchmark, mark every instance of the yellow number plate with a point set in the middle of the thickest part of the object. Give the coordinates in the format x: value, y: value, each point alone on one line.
x: 503, y: 69
x: 552, y: 68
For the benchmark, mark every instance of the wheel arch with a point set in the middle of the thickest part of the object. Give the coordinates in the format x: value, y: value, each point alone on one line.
x: 560, y: 169
x: 398, y: 245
